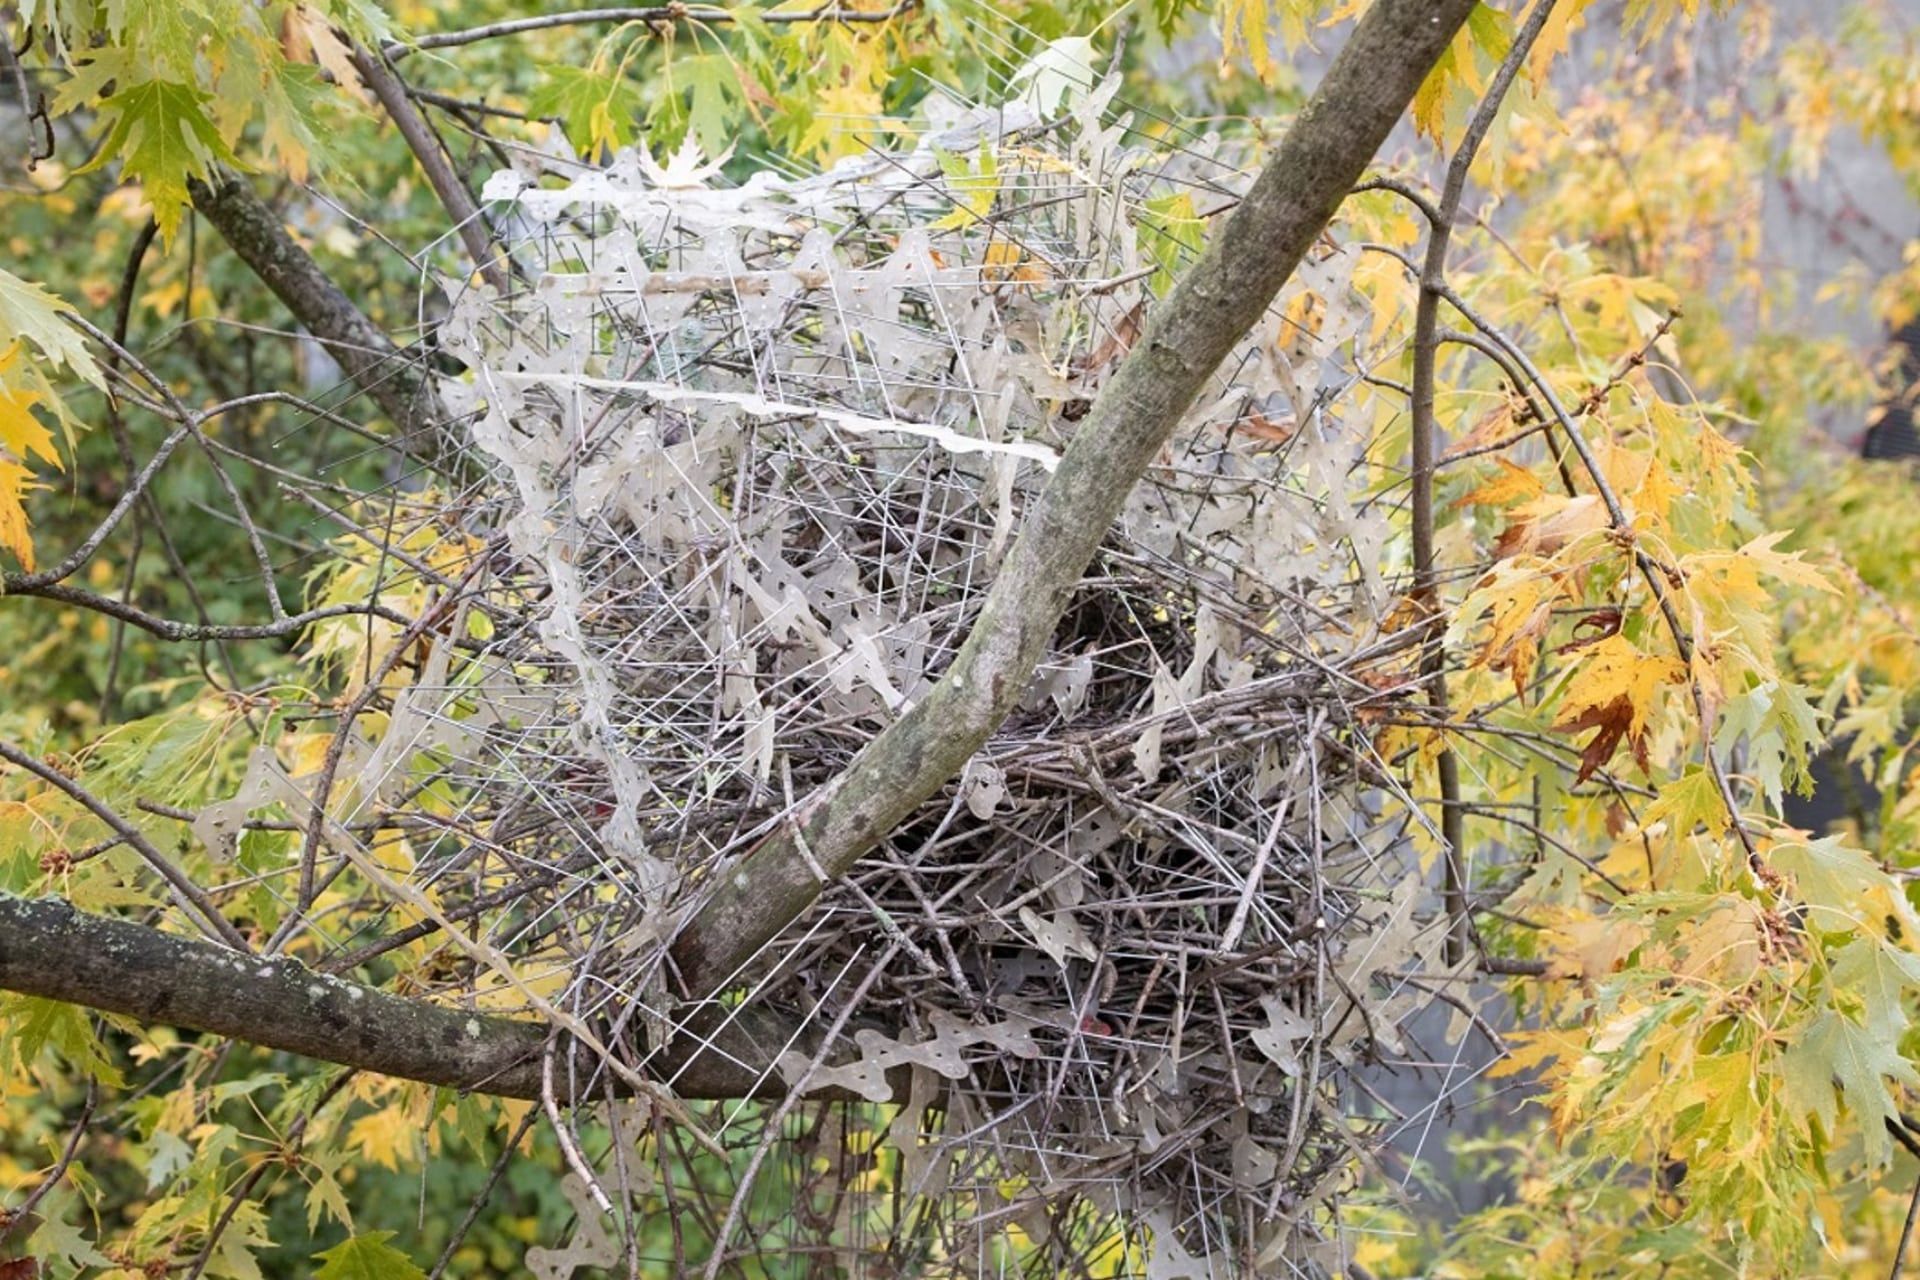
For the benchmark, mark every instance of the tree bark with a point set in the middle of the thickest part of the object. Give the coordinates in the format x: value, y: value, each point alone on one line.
x: 1186, y: 337
x: 51, y: 950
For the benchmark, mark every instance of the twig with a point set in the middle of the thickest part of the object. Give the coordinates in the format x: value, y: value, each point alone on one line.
x: 192, y: 632
x: 33, y: 108
x: 649, y: 15
x: 186, y: 892
x: 568, y: 1147
x: 67, y: 1153
x: 480, y: 1199
x: 1906, y: 1232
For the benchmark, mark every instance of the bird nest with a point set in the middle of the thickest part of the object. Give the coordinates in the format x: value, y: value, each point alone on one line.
x: 744, y: 460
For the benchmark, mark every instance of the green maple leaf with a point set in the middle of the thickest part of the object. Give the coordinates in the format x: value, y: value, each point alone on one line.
x: 1171, y: 232
x: 1835, y: 1051
x: 1690, y: 801
x: 55, y: 1239
x: 33, y: 1025
x: 713, y: 106
x: 30, y: 312
x: 595, y: 106
x: 1833, y: 880
x: 367, y: 1257
x: 973, y: 185
x: 1881, y: 976
x: 162, y: 136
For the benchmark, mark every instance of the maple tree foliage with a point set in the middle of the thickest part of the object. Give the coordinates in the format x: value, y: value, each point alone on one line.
x: 1657, y: 595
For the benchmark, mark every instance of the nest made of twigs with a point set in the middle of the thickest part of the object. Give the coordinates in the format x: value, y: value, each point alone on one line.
x: 749, y: 459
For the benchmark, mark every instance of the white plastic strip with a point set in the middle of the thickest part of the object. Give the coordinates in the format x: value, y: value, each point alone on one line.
x: 762, y: 407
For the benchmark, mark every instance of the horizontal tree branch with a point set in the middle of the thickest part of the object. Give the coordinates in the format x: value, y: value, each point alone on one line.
x: 171, y: 629
x: 631, y: 13
x: 1187, y: 335
x: 51, y: 950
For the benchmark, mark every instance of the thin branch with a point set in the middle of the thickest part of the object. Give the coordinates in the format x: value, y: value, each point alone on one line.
x: 67, y: 1153
x: 193, y: 422
x: 431, y: 154
x: 195, y: 632
x: 1406, y: 191
x: 1426, y: 346
x: 15, y: 584
x: 189, y: 894
x: 650, y: 15
x: 122, y: 322
x: 33, y: 109
x: 485, y: 1194
x: 1906, y: 1233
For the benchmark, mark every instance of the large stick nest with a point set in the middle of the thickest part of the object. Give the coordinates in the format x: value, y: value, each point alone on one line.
x: 749, y: 458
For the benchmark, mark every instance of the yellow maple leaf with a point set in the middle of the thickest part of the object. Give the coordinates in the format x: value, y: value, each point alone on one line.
x: 1244, y: 22
x: 1739, y: 572
x: 846, y: 116
x: 20, y: 432
x: 389, y: 1136
x: 1592, y: 948
x: 1549, y: 522
x: 1513, y: 483
x: 1566, y: 17
x: 307, y: 36
x: 1516, y: 599
x: 1527, y: 1049
x: 1613, y: 692
x: 1615, y: 669
x: 15, y: 481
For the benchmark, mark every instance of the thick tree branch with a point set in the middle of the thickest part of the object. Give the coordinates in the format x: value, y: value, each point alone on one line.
x: 1187, y: 336
x: 398, y: 383
x: 50, y: 950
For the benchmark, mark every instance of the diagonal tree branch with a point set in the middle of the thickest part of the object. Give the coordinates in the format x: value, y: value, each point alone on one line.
x: 398, y: 383
x: 51, y: 950
x: 434, y: 162
x: 1186, y: 337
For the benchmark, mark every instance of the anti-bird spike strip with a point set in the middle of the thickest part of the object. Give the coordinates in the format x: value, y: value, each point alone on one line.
x: 750, y: 457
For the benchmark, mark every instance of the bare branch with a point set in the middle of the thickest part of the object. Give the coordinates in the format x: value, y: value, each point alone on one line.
x: 278, y: 1003
x: 1426, y: 348
x: 197, y: 632
x: 650, y: 14
x: 432, y: 157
